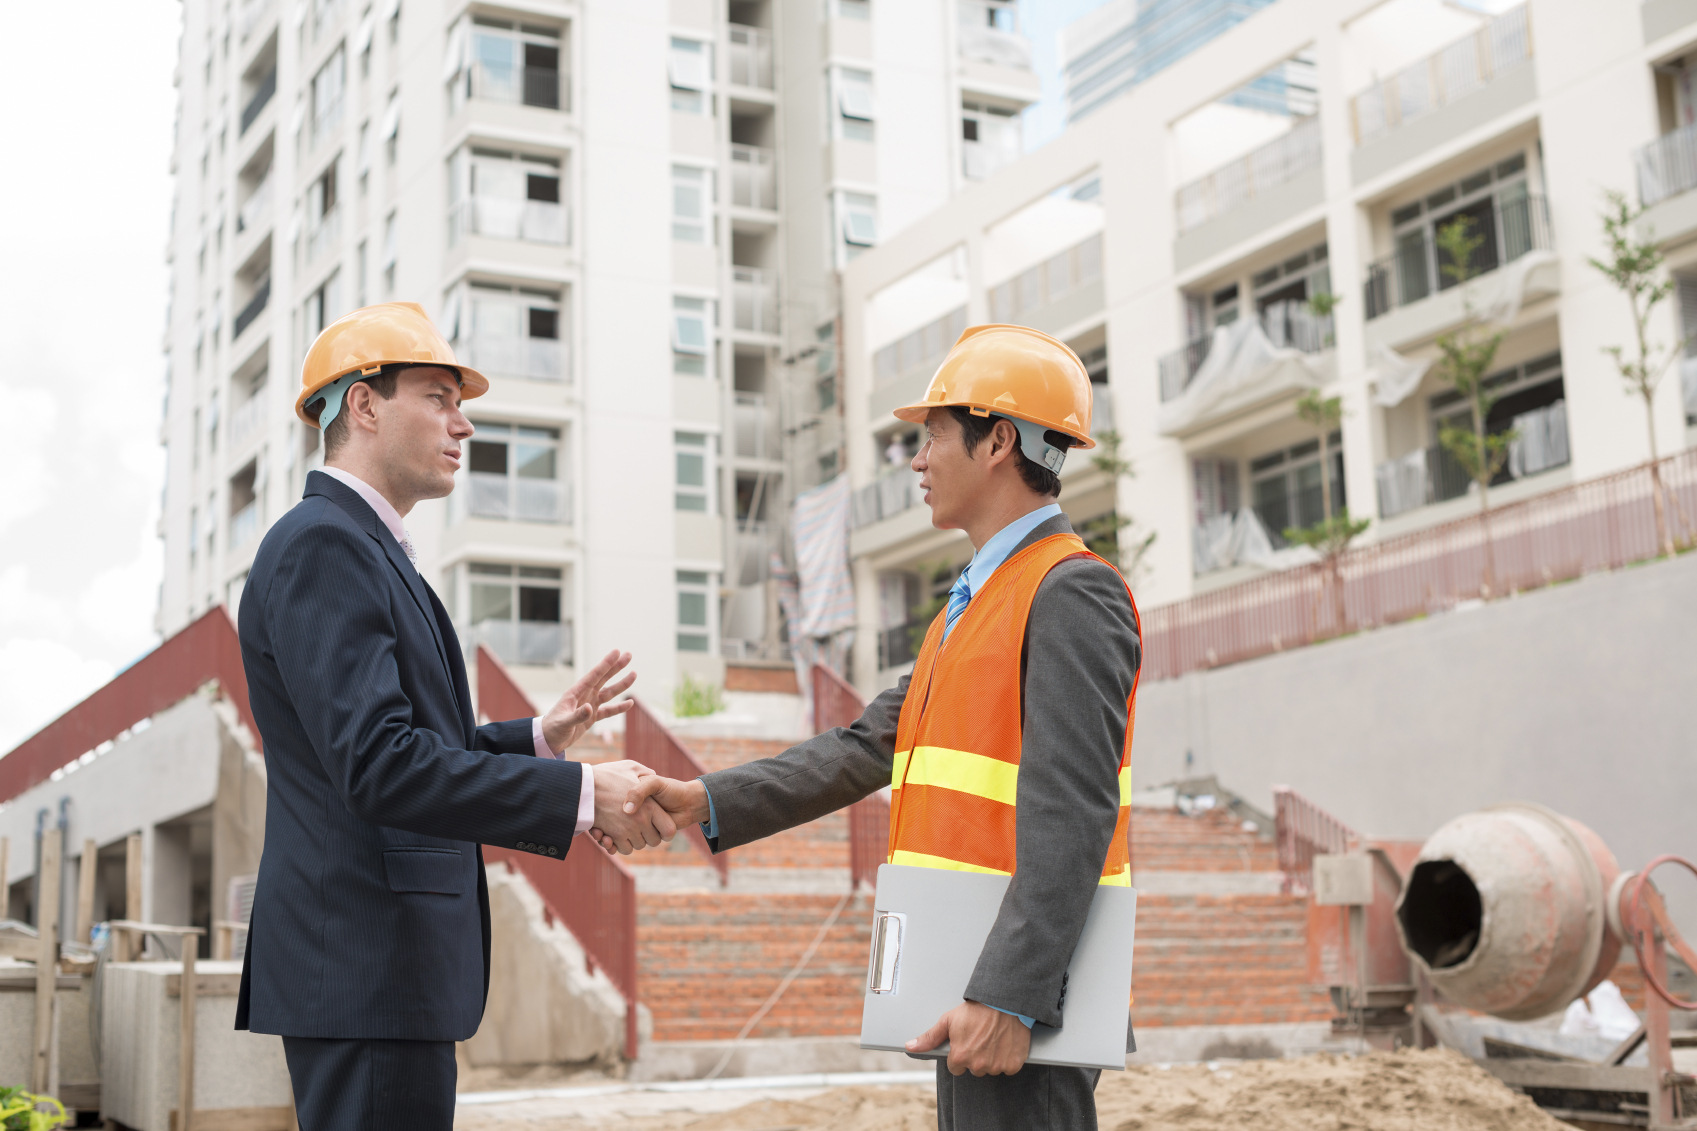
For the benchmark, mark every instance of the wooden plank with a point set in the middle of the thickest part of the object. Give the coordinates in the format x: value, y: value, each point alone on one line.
x: 79, y: 1097
x: 26, y: 983
x: 19, y: 947
x: 89, y: 864
x: 237, y: 1119
x: 206, y: 985
x: 1551, y: 1074
x: 185, y: 1056
x: 46, y: 957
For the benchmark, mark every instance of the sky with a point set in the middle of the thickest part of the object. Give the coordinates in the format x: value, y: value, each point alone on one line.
x: 82, y: 313
x: 82, y: 316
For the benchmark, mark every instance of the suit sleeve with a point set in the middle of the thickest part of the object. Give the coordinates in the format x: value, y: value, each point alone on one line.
x: 810, y: 779
x: 511, y: 737
x: 1081, y: 658
x: 333, y: 630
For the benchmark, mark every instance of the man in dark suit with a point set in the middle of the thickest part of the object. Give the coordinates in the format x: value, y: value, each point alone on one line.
x: 368, y: 950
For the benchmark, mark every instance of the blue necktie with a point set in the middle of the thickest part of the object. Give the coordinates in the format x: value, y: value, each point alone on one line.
x: 959, y: 594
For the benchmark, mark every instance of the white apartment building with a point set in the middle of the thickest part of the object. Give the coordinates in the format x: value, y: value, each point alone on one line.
x: 632, y: 216
x: 1176, y: 236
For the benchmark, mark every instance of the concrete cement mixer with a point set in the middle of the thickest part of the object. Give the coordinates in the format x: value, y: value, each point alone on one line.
x: 1517, y: 911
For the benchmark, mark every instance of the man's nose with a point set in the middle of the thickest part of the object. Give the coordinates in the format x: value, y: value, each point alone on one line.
x: 459, y: 427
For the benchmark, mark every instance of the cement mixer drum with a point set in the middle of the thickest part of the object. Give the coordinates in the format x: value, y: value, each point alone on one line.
x: 1504, y: 911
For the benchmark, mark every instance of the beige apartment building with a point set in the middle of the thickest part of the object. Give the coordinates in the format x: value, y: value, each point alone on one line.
x: 1257, y: 220
x: 631, y: 215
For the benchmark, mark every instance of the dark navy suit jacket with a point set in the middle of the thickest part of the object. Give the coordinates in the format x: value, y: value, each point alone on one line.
x: 371, y: 918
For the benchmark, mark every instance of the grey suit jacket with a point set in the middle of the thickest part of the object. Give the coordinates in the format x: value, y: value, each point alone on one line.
x: 1078, y: 665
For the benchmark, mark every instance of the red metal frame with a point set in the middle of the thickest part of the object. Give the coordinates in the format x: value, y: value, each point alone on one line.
x: 1603, y: 523
x: 837, y: 704
x: 1303, y: 831
x: 648, y: 741
x: 1645, y: 923
x: 590, y: 891
x: 206, y: 651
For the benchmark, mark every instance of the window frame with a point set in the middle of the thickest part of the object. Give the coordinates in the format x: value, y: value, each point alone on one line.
x: 704, y: 445
x: 696, y: 583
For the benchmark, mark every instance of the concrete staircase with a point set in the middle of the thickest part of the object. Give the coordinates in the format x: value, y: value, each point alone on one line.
x: 1216, y: 944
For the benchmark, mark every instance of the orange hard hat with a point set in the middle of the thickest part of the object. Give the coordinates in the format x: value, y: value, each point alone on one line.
x: 360, y: 344
x: 1016, y: 372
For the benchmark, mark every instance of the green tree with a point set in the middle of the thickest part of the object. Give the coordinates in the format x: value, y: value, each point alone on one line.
x: 1320, y: 305
x: 21, y: 1111
x: 1465, y: 357
x: 1104, y: 534
x: 694, y: 697
x: 1635, y: 268
x: 1331, y: 536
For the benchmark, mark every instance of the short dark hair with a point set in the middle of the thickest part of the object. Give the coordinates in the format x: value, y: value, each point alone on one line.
x: 382, y: 383
x: 974, y: 430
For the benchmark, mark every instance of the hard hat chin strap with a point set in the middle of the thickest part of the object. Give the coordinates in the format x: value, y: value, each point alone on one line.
x: 1032, y: 444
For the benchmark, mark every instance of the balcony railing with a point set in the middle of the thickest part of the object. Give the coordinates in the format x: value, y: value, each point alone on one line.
x: 755, y: 298
x: 267, y: 88
x: 979, y: 40
x: 1423, y: 476
x: 517, y: 498
x: 756, y: 428
x: 244, y: 525
x: 755, y: 544
x: 248, y: 313
x: 327, y: 120
x: 1458, y: 70
x: 538, y: 359
x: 750, y: 57
x: 535, y: 221
x: 754, y: 182
x: 1303, y: 831
x: 252, y: 11
x: 886, y: 498
x: 1668, y: 166
x: 324, y: 235
x: 1562, y: 534
x: 895, y: 646
x: 1288, y: 325
x: 527, y: 86
x: 525, y: 641
x: 254, y: 210
x: 1415, y: 271
x: 995, y: 147
x: 245, y: 420
x: 1280, y: 160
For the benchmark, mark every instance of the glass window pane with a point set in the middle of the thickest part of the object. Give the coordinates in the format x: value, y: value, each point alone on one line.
x: 538, y: 604
x: 544, y: 323
x: 692, y: 469
x: 489, y: 457
x: 495, y: 318
x: 491, y: 602
x: 692, y: 577
x: 534, y: 461
x: 691, y: 502
x: 692, y: 609
x: 689, y: 642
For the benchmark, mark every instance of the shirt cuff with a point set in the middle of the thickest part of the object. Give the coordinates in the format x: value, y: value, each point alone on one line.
x: 586, y: 799
x: 1028, y: 1022
x: 538, y: 741
x: 710, y: 827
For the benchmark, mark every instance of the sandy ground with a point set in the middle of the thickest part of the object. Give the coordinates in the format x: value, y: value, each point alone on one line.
x: 1436, y: 1090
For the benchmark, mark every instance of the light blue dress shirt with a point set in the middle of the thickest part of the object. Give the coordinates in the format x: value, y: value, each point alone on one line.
x: 979, y: 570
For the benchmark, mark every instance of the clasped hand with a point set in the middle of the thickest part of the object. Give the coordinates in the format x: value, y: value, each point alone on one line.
x: 982, y: 1041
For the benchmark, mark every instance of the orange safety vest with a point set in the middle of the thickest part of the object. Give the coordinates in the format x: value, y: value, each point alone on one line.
x: 958, y: 739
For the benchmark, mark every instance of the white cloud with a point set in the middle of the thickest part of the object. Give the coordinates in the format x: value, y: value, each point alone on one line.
x: 38, y: 680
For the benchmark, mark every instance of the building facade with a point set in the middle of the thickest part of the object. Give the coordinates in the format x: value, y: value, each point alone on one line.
x: 633, y: 217
x: 1260, y: 219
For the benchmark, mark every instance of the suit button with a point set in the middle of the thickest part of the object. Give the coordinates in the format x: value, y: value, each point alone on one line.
x: 553, y: 851
x: 524, y: 846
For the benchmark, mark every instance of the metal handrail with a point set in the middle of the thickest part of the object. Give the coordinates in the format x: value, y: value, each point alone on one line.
x: 1303, y: 831
x: 1281, y: 159
x: 648, y: 741
x: 837, y: 704
x: 254, y: 306
x: 1441, y: 78
x: 590, y: 891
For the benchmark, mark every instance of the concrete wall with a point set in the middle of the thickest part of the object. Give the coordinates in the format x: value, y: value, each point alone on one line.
x: 17, y: 1028
x: 1577, y: 697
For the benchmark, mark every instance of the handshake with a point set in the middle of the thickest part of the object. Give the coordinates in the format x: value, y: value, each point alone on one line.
x: 637, y: 808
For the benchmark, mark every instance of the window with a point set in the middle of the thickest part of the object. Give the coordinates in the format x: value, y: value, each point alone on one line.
x: 503, y: 61
x: 506, y: 195
x: 363, y: 277
x: 690, y: 67
x: 990, y: 138
x: 859, y: 221
x: 391, y: 130
x: 1285, y: 486
x: 825, y: 364
x: 516, y: 612
x: 1495, y: 200
x: 854, y: 9
x: 695, y: 633
x: 854, y: 103
x: 689, y: 203
x: 513, y: 331
x: 694, y: 455
x: 328, y: 87
x: 389, y: 254
x: 363, y: 167
x: 323, y: 306
x: 1531, y: 400
x: 690, y: 337
x: 513, y: 471
x: 323, y: 219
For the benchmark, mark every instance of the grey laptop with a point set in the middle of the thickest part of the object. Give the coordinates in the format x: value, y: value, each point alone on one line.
x: 928, y: 928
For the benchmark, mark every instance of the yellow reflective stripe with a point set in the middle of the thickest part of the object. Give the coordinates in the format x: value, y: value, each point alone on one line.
x: 1125, y: 787
x: 1120, y: 879
x: 899, y: 765
x: 966, y: 773
x: 922, y: 860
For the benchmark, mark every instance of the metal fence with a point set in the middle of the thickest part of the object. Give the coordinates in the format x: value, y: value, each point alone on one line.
x: 648, y: 741
x: 1280, y: 160
x: 591, y: 892
x: 1600, y: 524
x: 836, y: 704
x: 1668, y: 165
x: 751, y: 57
x: 1458, y: 70
x: 1303, y: 831
x: 754, y: 177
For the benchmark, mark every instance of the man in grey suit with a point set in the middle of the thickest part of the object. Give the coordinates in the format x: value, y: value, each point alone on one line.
x: 992, y: 474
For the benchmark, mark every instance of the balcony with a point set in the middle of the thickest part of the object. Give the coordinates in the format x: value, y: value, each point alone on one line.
x: 1433, y: 475
x: 250, y: 15
x: 525, y: 642
x: 756, y: 428
x: 754, y: 295
x: 750, y: 57
x: 895, y: 646
x: 245, y: 422
x: 514, y: 85
x: 256, y: 208
x: 244, y: 525
x: 515, y: 498
x: 754, y: 182
x: 324, y: 235
x: 536, y: 359
x: 261, y: 96
x: 754, y: 544
x: 1668, y: 166
x: 1515, y: 227
x: 981, y: 39
x: 994, y: 142
x: 1462, y: 68
x: 256, y: 304
x: 886, y: 498
x: 1287, y: 325
x: 1231, y: 186
x: 535, y: 221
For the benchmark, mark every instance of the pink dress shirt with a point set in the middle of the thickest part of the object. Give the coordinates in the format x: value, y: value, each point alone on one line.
x: 391, y: 518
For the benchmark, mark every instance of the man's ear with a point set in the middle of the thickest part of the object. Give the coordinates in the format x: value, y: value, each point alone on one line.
x: 360, y: 403
x: 1003, y: 441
